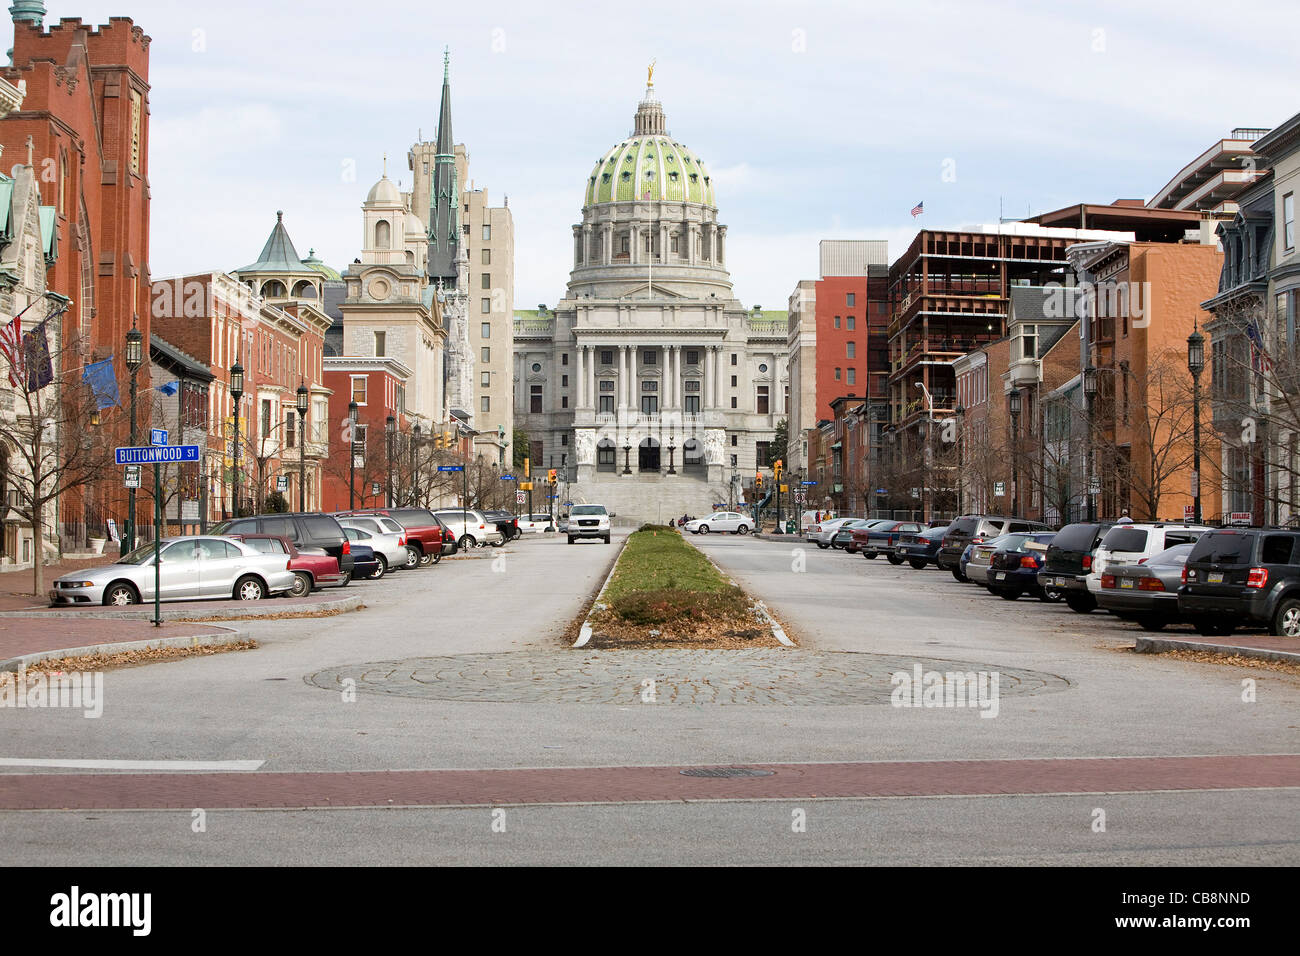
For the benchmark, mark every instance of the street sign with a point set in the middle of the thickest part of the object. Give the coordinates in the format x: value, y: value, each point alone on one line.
x: 882, y: 491
x: 568, y: 504
x: 807, y: 483
x: 800, y: 497
x: 157, y: 436
x: 1094, y: 486
x: 718, y: 506
x: 509, y: 478
x: 451, y: 467
x: 190, y: 511
x: 1240, y: 517
x: 1189, y: 512
x: 521, y: 497
x: 999, y: 489
x: 1196, y: 483
x: 156, y: 454
x: 282, y: 483
x: 374, y: 487
x: 131, y: 476
x: 358, y: 461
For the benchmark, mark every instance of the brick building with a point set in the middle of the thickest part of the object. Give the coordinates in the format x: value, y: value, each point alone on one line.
x: 378, y: 386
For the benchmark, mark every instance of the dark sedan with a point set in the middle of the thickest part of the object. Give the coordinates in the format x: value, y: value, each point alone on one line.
x: 882, y: 538
x: 1013, y: 568
x: 921, y: 548
x: 1147, y: 592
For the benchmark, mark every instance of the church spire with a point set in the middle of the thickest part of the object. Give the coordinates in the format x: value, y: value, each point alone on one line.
x: 444, y: 194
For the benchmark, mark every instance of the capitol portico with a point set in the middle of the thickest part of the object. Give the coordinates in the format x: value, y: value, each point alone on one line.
x: 650, y: 367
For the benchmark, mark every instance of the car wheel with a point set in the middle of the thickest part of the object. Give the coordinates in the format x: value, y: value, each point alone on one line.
x: 743, y: 529
x: 893, y: 559
x: 869, y: 555
x: 607, y: 539
x: 301, y: 584
x: 120, y: 595
x: 1286, y: 622
x: 1008, y: 594
x: 1152, y: 622
x: 382, y: 569
x: 347, y: 579
x: 249, y: 589
x: 956, y: 573
x: 704, y: 529
x: 499, y: 544
x: 466, y: 542
x: 414, y: 558
x: 918, y: 564
x: 433, y: 558
x: 1081, y: 602
x: 570, y: 539
x: 1051, y: 595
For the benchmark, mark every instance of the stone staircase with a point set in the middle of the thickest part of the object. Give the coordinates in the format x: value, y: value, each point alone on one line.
x: 637, y: 499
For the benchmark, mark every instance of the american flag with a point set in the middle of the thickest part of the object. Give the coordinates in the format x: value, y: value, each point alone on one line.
x: 918, y: 209
x: 11, y: 338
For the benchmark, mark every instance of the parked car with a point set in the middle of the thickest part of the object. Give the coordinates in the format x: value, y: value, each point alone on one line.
x: 732, y: 521
x: 1148, y: 592
x: 1249, y: 576
x: 964, y: 560
x: 919, y: 549
x: 843, y: 537
x: 589, y: 521
x: 881, y: 537
x: 470, y: 527
x: 189, y: 568
x: 305, y: 529
x: 505, y: 522
x: 977, y: 529
x: 820, y: 534
x: 1013, y: 569
x: 562, y: 524
x: 312, y: 569
x: 427, y: 538
x: 1068, y: 563
x: 535, y: 523
x: 387, y: 539
x: 366, y: 563
x: 1135, y: 543
x: 981, y: 556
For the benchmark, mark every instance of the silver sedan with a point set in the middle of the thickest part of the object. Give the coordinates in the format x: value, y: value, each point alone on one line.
x: 189, y: 568
x: 731, y: 521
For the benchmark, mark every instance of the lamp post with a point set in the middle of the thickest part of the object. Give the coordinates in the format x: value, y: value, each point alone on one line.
x: 1015, y: 451
x: 415, y: 484
x: 961, y: 459
x: 352, y: 455
x: 303, y: 397
x: 390, y: 430
x: 134, y: 359
x: 926, y: 434
x: 627, y: 457
x: 1090, y: 395
x: 1196, y: 365
x: 236, y: 393
x: 671, y: 448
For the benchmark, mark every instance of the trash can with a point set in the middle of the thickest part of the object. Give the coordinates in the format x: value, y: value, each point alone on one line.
x: 790, y: 527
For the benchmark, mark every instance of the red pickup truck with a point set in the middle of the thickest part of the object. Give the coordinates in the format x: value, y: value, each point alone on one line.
x: 427, y: 538
x: 312, y: 570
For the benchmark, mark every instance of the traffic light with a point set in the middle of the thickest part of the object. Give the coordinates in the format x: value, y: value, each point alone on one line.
x: 528, y: 466
x: 776, y: 469
x: 550, y: 477
x: 758, y: 480
x: 450, y: 438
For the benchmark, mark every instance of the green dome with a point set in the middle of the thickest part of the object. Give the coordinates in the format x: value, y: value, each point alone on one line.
x: 311, y: 262
x: 653, y: 164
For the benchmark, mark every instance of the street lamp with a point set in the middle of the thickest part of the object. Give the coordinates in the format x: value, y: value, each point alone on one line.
x: 671, y: 448
x: 236, y: 393
x: 1015, y: 451
x: 627, y: 457
x: 390, y: 429
x: 134, y: 359
x: 415, y: 485
x: 1196, y: 365
x: 925, y: 458
x: 302, y: 398
x: 1090, y: 394
x: 352, y: 455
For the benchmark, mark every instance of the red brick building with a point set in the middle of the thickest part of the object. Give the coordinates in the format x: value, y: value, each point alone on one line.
x: 378, y: 386
x: 85, y: 124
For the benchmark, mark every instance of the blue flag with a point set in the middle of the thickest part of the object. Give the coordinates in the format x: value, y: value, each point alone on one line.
x: 36, y: 354
x: 170, y: 388
x: 103, y: 383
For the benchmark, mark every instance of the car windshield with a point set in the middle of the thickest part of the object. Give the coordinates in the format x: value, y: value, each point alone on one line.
x: 1120, y: 538
x: 596, y: 510
x: 1222, y: 547
x: 356, y: 534
x: 141, y: 555
x: 1001, y: 541
x: 1172, y: 557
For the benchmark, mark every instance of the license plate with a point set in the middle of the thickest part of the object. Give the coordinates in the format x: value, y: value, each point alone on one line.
x: 1215, y: 577
x: 998, y: 575
x: 1126, y: 583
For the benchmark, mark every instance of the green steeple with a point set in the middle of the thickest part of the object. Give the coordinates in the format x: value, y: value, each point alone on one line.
x: 278, y: 255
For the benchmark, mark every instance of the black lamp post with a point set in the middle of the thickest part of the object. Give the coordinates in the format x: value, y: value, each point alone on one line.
x: 671, y: 448
x: 134, y: 359
x: 1015, y: 451
x: 1196, y: 365
x: 236, y: 393
x: 302, y: 397
x: 390, y: 430
x: 961, y: 460
x: 352, y: 455
x: 627, y: 457
x: 415, y: 485
x: 1090, y: 395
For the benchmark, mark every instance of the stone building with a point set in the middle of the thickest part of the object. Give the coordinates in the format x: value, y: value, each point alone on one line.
x: 649, y: 386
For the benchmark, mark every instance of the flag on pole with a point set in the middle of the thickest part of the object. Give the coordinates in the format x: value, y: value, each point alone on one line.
x: 11, y: 338
x: 36, y: 355
x: 169, y: 388
x: 103, y: 383
x: 918, y: 209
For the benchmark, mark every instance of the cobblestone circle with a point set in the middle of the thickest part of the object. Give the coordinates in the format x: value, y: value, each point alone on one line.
x: 790, y: 678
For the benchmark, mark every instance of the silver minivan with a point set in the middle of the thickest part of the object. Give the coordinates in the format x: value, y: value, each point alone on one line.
x: 470, y: 527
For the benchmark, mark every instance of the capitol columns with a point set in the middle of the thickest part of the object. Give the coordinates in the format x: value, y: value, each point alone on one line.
x: 622, y: 377
x: 581, y: 389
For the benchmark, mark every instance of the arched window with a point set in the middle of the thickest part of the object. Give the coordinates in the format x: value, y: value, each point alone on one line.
x: 383, y: 234
x: 273, y: 289
x: 304, y: 290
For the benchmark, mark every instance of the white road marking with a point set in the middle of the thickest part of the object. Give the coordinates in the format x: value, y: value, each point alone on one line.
x: 210, y: 765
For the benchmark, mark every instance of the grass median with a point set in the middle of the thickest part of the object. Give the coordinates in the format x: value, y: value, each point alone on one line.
x: 665, y: 593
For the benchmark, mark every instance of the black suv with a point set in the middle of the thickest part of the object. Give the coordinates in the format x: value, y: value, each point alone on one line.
x: 977, y: 529
x: 1243, y: 577
x: 1069, y: 562
x: 305, y: 529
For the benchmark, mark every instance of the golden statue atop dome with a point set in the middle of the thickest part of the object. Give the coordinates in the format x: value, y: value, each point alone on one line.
x: 650, y: 74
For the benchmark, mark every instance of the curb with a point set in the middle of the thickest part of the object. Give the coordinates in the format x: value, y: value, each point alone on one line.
x: 193, y: 611
x: 234, y: 636
x: 584, y: 635
x: 1159, y: 645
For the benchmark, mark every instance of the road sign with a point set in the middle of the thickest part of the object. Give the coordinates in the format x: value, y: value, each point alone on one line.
x: 282, y: 483
x: 882, y: 491
x: 156, y: 454
x: 1189, y: 512
x: 999, y: 489
x: 568, y: 504
x: 521, y: 497
x: 1094, y: 486
x: 800, y: 497
x: 1240, y: 517
x: 509, y: 478
x: 451, y: 467
x: 190, y: 511
x: 157, y: 436
x: 807, y: 483
x: 131, y: 476
x: 374, y: 487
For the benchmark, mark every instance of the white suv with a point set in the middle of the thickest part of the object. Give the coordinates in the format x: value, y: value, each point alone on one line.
x: 1134, y: 543
x: 588, y: 521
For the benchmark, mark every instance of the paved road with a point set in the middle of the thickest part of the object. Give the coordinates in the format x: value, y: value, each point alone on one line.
x: 511, y: 702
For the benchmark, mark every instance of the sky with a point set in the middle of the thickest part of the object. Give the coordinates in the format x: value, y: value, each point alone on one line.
x: 818, y: 120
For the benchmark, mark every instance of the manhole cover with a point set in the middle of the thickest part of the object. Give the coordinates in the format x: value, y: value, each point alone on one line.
x: 725, y: 772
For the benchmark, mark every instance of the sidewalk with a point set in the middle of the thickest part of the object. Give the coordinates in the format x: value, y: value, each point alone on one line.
x: 16, y: 585
x: 1261, y: 646
x: 23, y: 640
